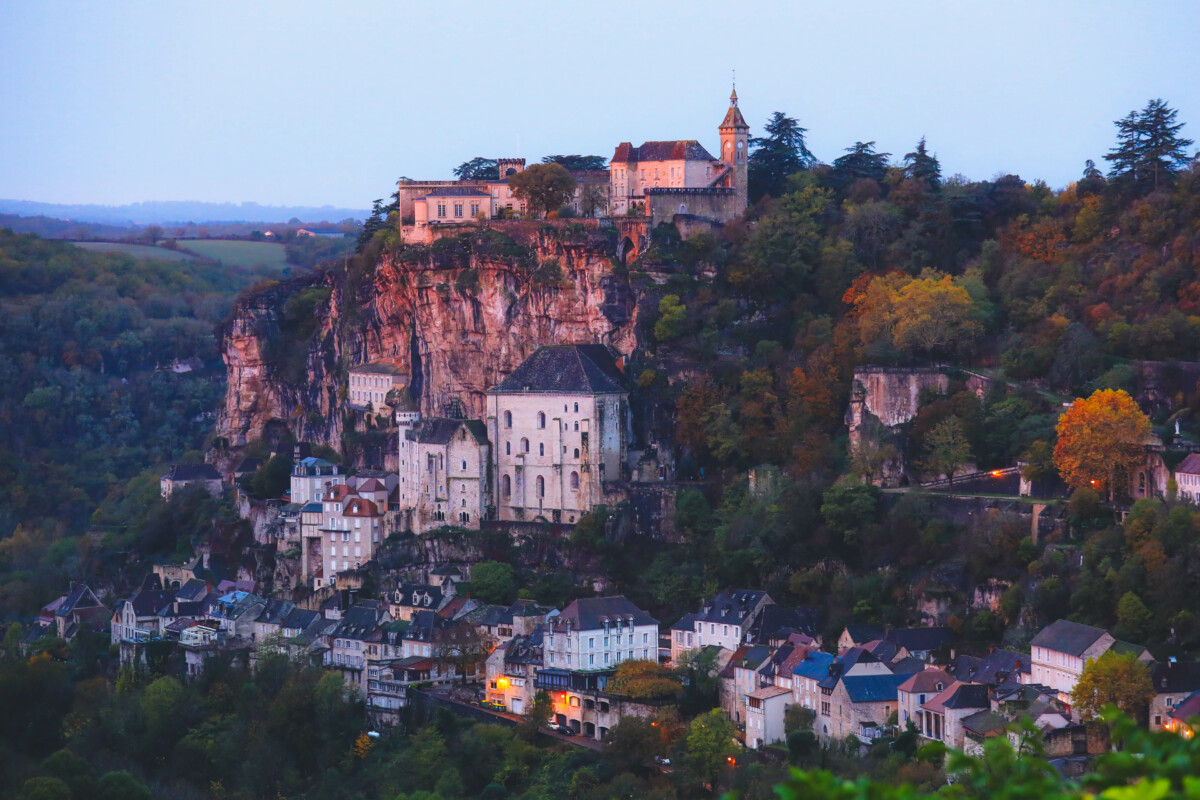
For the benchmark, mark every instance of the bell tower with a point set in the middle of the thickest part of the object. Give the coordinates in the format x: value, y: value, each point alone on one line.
x: 735, y: 149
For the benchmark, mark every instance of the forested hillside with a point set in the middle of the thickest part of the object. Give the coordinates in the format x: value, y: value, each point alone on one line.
x: 88, y: 400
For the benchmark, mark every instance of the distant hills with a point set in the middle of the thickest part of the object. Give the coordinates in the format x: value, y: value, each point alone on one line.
x: 178, y: 212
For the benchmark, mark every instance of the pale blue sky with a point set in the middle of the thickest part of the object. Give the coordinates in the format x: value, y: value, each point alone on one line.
x: 315, y: 103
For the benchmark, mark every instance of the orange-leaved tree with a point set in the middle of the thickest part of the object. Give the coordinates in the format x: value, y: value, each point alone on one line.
x: 1101, y: 441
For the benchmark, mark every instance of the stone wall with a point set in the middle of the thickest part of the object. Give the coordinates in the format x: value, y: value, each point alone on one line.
x: 719, y: 205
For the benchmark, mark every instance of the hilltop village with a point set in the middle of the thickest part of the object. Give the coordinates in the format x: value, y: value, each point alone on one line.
x: 670, y: 459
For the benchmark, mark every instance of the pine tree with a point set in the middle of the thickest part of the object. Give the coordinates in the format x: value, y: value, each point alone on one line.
x: 782, y: 152
x: 921, y: 165
x: 1149, y: 148
x: 861, y: 161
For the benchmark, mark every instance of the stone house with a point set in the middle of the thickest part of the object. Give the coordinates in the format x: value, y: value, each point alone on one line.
x: 860, y: 705
x: 581, y: 701
x: 741, y: 676
x: 512, y: 672
x: 77, y: 610
x: 410, y: 598
x: 368, y: 385
x: 350, y: 641
x: 182, y: 475
x: 444, y: 472
x: 806, y: 679
x: 920, y: 688
x: 145, y: 615
x: 559, y: 425
x: 942, y: 715
x: 598, y: 633
x: 1187, y: 478
x: 311, y: 477
x: 1061, y: 650
x: 340, y: 531
x: 1174, y: 681
x: 765, y: 708
x: 723, y: 621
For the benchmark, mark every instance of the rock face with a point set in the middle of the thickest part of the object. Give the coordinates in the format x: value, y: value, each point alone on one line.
x: 457, y: 316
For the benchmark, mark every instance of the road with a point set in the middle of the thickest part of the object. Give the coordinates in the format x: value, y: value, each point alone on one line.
x: 578, y: 740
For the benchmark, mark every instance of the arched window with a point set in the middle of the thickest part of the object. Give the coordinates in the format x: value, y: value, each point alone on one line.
x: 576, y: 424
x: 541, y: 486
x: 577, y: 408
x: 541, y: 448
x: 508, y: 419
x: 508, y: 448
x: 683, y: 208
x: 524, y: 445
x: 464, y: 464
x: 575, y: 481
x: 506, y: 486
x: 541, y: 419
x: 577, y: 452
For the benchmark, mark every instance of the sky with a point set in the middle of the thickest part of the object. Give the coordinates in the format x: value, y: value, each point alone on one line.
x: 306, y: 103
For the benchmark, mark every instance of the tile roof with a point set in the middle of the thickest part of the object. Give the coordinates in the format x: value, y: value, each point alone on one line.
x: 985, y: 723
x: 361, y: 507
x: 926, y: 681
x: 1068, y: 637
x: 566, y: 369
x: 671, y: 150
x: 767, y: 692
x: 379, y: 368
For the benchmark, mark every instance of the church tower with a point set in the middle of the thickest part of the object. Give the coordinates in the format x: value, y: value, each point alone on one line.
x: 735, y: 148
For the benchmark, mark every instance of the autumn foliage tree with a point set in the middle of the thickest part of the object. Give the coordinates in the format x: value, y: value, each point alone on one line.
x: 644, y: 680
x: 1101, y: 440
x: 1117, y: 679
x: 930, y: 315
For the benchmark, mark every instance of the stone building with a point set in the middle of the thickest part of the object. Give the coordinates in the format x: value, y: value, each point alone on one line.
x: 444, y: 471
x: 368, y: 385
x: 182, y: 475
x: 312, y: 476
x: 560, y: 428
x: 339, y: 531
x: 662, y: 179
x: 597, y: 633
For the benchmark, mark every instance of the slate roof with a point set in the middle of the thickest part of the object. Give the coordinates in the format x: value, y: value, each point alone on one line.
x: 1177, y: 677
x: 299, y: 619
x: 776, y: 621
x: 81, y: 595
x: 357, y: 623
x: 872, y: 688
x: 985, y: 723
x: 566, y: 369
x: 192, y: 591
x: 920, y: 639
x: 452, y: 191
x: 589, y: 613
x: 193, y: 472
x: 419, y: 595
x: 379, y: 368
x: 969, y: 695
x: 148, y: 602
x: 248, y: 464
x: 1190, y: 465
x: 752, y: 658
x: 815, y: 666
x: 883, y: 650
x: 731, y: 606
x: 997, y: 667
x: 439, y: 430
x: 1068, y: 637
x: 275, y: 611
x: 671, y: 150
x: 1188, y: 708
x: 446, y: 569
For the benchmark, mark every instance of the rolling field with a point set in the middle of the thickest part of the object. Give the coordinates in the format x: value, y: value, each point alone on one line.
x: 237, y: 253
x: 140, y: 250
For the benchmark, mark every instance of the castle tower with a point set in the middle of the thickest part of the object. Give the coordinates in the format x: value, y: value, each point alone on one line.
x: 735, y: 148
x: 408, y: 417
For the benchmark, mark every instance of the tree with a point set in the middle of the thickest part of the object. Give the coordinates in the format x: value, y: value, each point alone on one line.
x: 644, y: 680
x: 632, y: 743
x: 273, y: 478
x: 1039, y: 461
x: 494, y: 582
x: 671, y: 320
x: 1149, y: 149
x: 920, y: 165
x: 1101, y: 441
x: 798, y: 718
x: 543, y: 187
x: 537, y: 715
x: 44, y: 789
x: 1134, y: 617
x: 477, y: 169
x: 577, y: 163
x: 947, y: 448
x: 121, y: 785
x: 776, y: 156
x: 849, y: 506
x: 861, y: 161
x: 1117, y: 679
x: 711, y: 744
x: 931, y: 315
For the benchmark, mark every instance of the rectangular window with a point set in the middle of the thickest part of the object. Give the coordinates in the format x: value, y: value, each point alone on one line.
x: 458, y: 209
x: 441, y: 209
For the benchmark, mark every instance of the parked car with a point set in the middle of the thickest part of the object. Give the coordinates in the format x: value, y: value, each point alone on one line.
x: 662, y: 761
x: 566, y: 730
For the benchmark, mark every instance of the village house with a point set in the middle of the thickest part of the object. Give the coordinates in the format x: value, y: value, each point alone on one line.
x: 355, y: 632
x: 443, y: 471
x: 311, y: 477
x: 723, y: 620
x: 146, y: 614
x: 1187, y: 478
x: 807, y: 677
x: 920, y: 688
x: 1174, y: 681
x: 75, y: 611
x: 551, y: 465
x: 410, y: 598
x: 765, y: 709
x: 740, y: 677
x: 1061, y: 650
x: 859, y: 705
x: 511, y: 672
x: 598, y: 633
x: 183, y: 475
x: 942, y: 715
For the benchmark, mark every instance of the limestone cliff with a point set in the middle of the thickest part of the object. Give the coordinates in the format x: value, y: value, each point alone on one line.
x: 457, y: 315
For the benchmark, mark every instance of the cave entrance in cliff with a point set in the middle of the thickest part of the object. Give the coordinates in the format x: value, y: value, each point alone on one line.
x: 625, y: 251
x: 276, y: 434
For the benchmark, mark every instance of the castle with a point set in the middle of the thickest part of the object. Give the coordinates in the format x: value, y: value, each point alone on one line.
x: 658, y: 179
